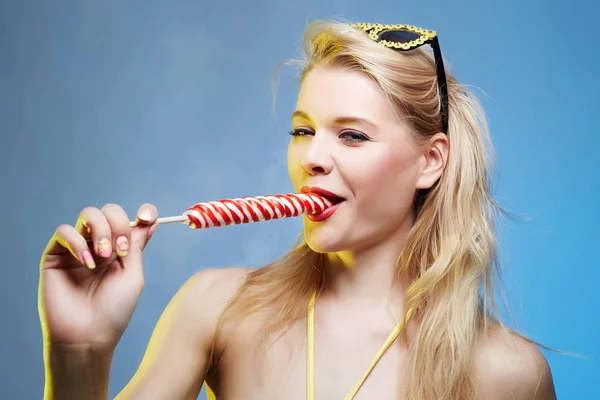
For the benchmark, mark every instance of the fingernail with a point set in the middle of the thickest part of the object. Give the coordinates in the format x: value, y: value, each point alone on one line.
x: 145, y: 215
x: 88, y: 260
x: 104, y: 247
x: 122, y: 246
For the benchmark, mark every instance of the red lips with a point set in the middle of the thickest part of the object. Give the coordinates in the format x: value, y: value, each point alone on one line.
x: 332, y: 197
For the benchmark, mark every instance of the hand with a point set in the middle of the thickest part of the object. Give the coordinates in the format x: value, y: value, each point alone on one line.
x: 89, y: 288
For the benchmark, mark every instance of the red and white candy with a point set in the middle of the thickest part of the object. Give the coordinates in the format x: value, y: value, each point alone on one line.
x: 249, y: 209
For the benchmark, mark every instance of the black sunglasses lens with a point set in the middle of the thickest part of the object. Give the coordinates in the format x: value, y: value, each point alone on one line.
x: 398, y: 36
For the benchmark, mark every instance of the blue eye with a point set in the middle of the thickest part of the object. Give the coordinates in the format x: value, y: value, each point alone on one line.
x: 354, y: 136
x: 348, y: 136
x: 300, y: 132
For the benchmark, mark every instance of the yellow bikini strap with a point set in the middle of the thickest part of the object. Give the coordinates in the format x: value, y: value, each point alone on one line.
x: 392, y: 336
x: 310, y: 352
x: 310, y: 349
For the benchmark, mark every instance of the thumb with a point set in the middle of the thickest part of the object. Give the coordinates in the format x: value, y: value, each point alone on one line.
x: 146, y: 224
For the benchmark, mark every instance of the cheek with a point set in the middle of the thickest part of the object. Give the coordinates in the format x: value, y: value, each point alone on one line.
x: 390, y: 170
x: 294, y: 166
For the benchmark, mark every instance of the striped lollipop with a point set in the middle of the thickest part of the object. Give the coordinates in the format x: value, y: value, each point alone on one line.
x: 248, y: 209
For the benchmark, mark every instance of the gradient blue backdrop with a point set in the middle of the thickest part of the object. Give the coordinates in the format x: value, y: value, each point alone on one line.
x: 170, y: 103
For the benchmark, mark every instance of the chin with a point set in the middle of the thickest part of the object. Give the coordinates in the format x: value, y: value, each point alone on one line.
x: 321, y: 241
x: 322, y: 247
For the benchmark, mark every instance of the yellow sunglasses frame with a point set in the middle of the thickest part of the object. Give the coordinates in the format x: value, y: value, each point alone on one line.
x: 426, y: 36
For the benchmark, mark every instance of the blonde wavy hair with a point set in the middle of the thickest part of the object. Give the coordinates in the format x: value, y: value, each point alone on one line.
x: 450, y: 256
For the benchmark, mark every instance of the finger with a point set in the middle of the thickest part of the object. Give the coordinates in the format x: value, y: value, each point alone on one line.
x: 93, y: 224
x: 119, y: 225
x: 146, y: 225
x: 147, y: 214
x: 67, y: 238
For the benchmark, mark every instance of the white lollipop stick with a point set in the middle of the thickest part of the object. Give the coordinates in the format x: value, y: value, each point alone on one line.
x: 165, y: 220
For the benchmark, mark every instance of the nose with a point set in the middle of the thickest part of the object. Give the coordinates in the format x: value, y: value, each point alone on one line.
x: 317, y: 158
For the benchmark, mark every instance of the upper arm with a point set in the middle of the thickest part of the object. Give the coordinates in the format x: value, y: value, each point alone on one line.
x: 177, y: 357
x: 507, y: 367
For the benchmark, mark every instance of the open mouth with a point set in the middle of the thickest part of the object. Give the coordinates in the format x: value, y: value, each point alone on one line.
x: 330, y: 196
x: 333, y: 199
x: 329, y: 211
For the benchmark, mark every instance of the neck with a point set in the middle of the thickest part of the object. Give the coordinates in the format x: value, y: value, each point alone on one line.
x: 368, y: 277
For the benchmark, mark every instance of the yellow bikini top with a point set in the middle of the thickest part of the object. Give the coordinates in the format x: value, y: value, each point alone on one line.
x: 310, y: 353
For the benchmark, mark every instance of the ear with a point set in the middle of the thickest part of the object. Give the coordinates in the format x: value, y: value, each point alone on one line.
x: 434, y: 159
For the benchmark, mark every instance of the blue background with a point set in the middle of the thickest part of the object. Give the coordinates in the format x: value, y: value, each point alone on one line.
x: 170, y: 103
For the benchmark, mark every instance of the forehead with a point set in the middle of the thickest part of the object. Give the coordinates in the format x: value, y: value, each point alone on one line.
x: 329, y: 92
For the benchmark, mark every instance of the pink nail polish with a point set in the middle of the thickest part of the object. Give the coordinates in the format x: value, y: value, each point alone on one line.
x: 122, y: 243
x: 104, y: 247
x: 88, y: 260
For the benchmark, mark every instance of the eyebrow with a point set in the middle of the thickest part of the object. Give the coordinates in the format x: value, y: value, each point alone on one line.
x: 339, y: 120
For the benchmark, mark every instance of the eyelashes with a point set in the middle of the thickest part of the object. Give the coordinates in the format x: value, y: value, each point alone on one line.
x: 347, y: 135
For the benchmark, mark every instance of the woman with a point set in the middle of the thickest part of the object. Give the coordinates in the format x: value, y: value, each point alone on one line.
x: 403, y: 265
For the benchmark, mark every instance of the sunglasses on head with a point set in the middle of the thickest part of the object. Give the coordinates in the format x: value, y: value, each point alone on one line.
x: 405, y: 38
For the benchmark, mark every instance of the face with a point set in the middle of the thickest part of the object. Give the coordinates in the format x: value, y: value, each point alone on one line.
x: 347, y: 140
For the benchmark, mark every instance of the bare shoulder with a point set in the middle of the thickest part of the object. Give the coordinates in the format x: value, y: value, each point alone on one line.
x: 178, y: 355
x: 217, y: 283
x: 507, y: 366
x: 202, y: 297
x: 207, y: 293
x: 209, y: 290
